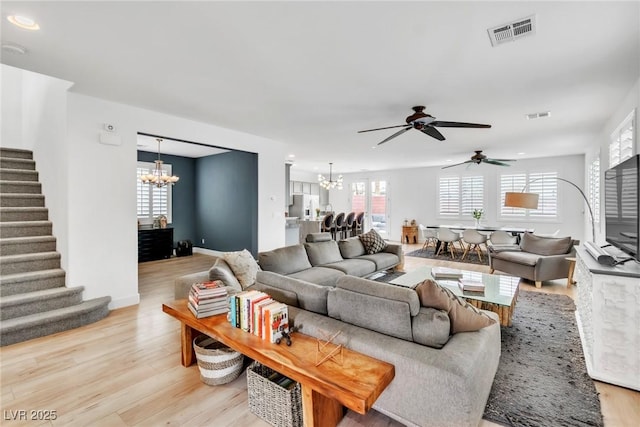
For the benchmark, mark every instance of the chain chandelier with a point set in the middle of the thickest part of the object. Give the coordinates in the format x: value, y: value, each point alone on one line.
x: 158, y: 176
x: 330, y: 183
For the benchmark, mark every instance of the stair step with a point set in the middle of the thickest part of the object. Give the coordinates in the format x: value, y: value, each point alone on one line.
x: 21, y: 200
x: 37, y: 325
x: 25, y: 229
x: 20, y: 213
x: 23, y: 263
x: 16, y: 153
x: 12, y: 284
x: 39, y: 301
x: 18, y: 175
x: 23, y: 164
x: 27, y: 245
x: 22, y: 187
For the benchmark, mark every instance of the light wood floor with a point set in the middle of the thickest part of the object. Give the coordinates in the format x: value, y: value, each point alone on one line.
x: 125, y: 370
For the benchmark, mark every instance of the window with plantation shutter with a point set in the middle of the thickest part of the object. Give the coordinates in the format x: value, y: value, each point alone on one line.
x: 594, y: 188
x: 472, y: 194
x: 621, y: 142
x: 152, y: 201
x: 449, y: 196
x: 542, y: 183
x: 459, y: 196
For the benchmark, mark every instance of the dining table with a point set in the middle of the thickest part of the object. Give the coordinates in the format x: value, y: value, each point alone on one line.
x: 515, y: 231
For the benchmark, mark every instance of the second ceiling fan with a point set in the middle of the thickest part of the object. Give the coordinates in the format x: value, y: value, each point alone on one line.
x: 426, y: 124
x: 481, y: 158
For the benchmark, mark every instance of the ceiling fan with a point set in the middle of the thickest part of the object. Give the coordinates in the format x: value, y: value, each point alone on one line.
x: 481, y: 158
x: 425, y: 123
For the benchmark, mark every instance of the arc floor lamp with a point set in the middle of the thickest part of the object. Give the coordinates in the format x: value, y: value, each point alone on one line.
x: 530, y: 200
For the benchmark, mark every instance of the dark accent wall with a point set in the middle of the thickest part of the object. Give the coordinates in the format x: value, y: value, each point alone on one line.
x: 227, y: 201
x: 183, y: 194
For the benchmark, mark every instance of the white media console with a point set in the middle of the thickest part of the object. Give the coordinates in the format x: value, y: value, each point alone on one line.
x: 608, y: 315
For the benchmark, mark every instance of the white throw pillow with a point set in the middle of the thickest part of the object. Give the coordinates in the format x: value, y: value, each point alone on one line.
x: 243, y: 265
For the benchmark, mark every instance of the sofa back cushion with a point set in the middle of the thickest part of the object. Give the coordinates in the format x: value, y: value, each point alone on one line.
x: 351, y: 248
x: 431, y: 327
x: 286, y: 260
x: 372, y: 305
x: 546, y: 245
x: 321, y: 253
x: 308, y: 296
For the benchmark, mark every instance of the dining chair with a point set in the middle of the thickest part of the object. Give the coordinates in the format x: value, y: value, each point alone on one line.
x: 473, y: 240
x: 500, y: 237
x: 350, y: 224
x: 448, y: 238
x: 430, y: 236
x: 359, y: 223
x: 339, y: 226
x: 327, y: 225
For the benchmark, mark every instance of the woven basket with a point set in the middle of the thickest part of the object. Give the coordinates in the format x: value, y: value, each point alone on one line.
x: 218, y: 363
x: 276, y: 405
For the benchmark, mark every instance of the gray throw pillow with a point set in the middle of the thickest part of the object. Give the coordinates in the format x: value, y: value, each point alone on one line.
x: 372, y: 241
x: 222, y: 271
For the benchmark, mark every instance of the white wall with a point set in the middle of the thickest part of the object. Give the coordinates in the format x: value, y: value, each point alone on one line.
x: 413, y: 194
x: 98, y: 181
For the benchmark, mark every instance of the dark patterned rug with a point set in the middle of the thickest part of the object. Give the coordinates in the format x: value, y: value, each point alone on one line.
x: 471, y: 258
x: 542, y: 378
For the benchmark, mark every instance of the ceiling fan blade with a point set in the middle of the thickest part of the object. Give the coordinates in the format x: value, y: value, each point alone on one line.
x: 388, y: 127
x: 457, y: 164
x: 434, y: 133
x: 440, y: 123
x: 495, y: 162
x: 400, y: 132
x: 505, y: 160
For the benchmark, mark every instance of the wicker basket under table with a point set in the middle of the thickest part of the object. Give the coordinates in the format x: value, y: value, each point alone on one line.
x: 274, y: 404
x: 218, y: 363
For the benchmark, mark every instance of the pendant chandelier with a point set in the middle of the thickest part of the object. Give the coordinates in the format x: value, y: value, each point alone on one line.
x: 158, y: 176
x: 330, y: 183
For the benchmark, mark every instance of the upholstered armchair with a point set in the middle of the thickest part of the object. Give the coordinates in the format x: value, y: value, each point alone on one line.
x: 537, y: 258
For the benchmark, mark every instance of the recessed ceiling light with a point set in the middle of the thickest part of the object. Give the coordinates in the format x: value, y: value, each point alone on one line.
x: 291, y: 156
x: 522, y: 153
x: 448, y: 160
x: 23, y: 22
x: 14, y: 48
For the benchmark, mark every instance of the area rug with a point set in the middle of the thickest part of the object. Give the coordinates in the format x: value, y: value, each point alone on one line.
x: 542, y: 378
x: 471, y: 258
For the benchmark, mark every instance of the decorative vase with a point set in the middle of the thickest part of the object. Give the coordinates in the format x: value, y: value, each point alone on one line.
x: 477, y: 222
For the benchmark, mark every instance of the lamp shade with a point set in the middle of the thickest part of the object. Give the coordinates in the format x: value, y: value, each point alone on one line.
x: 521, y: 200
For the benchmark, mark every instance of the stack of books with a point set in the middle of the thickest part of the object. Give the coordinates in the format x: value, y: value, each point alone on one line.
x: 444, y: 273
x: 471, y: 287
x: 259, y: 314
x: 208, y: 299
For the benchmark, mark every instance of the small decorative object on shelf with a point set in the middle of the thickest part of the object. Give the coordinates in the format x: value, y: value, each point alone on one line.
x: 328, y: 350
x: 286, y: 334
x: 317, y: 213
x: 413, y: 222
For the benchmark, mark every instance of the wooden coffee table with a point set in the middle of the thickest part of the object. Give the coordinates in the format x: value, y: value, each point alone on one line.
x: 326, y: 389
x: 500, y: 295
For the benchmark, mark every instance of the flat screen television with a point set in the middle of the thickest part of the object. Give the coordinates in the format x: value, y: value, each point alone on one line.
x: 621, y: 194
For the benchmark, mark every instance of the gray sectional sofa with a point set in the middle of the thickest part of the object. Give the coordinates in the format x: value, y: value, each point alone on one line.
x: 440, y: 379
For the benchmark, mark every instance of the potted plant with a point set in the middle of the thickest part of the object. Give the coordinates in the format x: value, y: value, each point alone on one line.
x: 477, y: 215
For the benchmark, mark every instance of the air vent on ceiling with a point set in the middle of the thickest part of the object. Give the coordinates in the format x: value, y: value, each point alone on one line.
x: 538, y: 115
x: 512, y: 31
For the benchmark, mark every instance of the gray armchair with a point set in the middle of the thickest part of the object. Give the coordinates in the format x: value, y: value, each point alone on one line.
x: 537, y: 258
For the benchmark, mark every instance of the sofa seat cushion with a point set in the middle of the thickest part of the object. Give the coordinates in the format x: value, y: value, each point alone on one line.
x: 546, y: 245
x: 351, y: 248
x: 321, y: 253
x: 518, y: 257
x: 383, y: 260
x: 354, y: 267
x: 286, y: 260
x: 319, y: 275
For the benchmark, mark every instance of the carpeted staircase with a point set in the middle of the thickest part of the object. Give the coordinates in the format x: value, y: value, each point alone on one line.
x: 34, y: 300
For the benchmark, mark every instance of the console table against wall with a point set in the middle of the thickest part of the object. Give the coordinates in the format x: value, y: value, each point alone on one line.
x: 155, y: 243
x: 410, y: 234
x: 608, y: 314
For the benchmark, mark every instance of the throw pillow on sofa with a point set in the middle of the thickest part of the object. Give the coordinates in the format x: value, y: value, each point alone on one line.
x: 373, y: 242
x: 464, y: 317
x: 243, y: 265
x: 222, y: 271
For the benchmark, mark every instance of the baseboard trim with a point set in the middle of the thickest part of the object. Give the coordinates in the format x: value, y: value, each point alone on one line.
x: 124, y: 302
x: 205, y: 251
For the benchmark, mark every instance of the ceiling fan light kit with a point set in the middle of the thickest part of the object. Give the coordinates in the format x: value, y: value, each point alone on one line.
x: 426, y: 124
